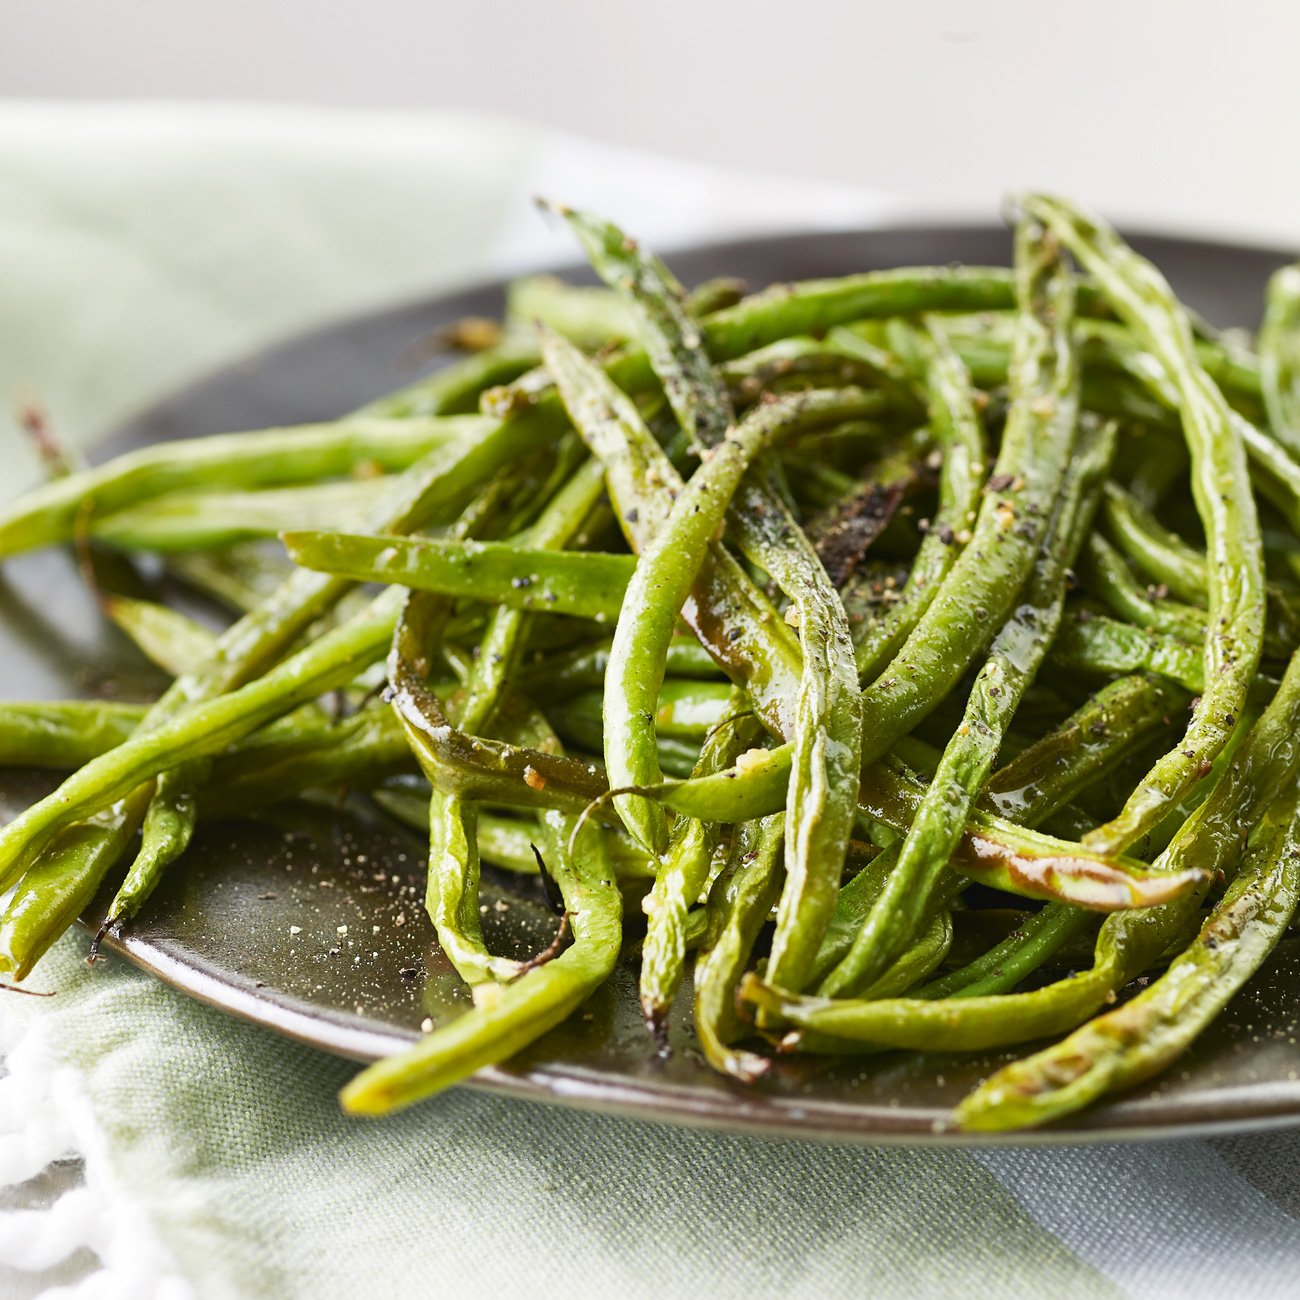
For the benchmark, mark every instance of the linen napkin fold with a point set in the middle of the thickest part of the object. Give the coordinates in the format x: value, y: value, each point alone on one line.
x: 143, y: 244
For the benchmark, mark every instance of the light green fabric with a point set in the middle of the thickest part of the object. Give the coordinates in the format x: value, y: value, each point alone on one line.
x: 140, y: 245
x: 234, y: 1143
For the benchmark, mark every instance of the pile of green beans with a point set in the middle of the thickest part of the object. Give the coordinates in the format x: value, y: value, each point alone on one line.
x: 795, y: 641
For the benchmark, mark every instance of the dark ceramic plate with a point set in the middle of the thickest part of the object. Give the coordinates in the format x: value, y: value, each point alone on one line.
x: 253, y: 920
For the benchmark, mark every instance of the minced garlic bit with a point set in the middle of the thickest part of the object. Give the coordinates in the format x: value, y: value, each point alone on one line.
x: 533, y: 779
x: 793, y: 616
x: 751, y: 759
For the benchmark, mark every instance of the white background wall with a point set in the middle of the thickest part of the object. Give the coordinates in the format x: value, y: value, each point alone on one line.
x: 1181, y: 113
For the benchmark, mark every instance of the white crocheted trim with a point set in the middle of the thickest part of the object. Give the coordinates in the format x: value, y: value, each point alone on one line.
x: 45, y: 1115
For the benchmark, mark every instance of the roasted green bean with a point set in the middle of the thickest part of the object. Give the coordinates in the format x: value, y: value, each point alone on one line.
x: 873, y: 674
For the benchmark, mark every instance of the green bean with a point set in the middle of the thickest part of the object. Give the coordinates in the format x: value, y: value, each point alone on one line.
x: 715, y: 295
x: 451, y: 896
x: 740, y: 902
x: 599, y: 417
x: 810, y: 485
x: 1272, y: 464
x: 795, y: 726
x: 918, y: 1024
x: 175, y: 643
x: 508, y: 1018
x: 1161, y: 466
x: 991, y: 849
x: 1107, y: 574
x: 985, y: 579
x: 265, y: 458
x: 577, y: 312
x: 1014, y: 658
x: 957, y: 429
x: 1119, y: 378
x: 452, y: 880
x: 815, y: 306
x: 817, y: 363
x: 1110, y: 390
x: 1111, y: 345
x: 1023, y: 861
x: 444, y: 478
x: 1279, y: 358
x: 1127, y: 942
x: 1017, y: 956
x: 1109, y: 726
x: 456, y: 387
x: 682, y: 873
x: 665, y: 573
x: 239, y: 577
x: 480, y: 768
x: 687, y: 710
x: 1159, y: 554
x: 185, y: 521
x: 590, y: 317
x: 1030, y: 788
x: 452, y: 890
x: 504, y: 842
x: 579, y: 724
x: 583, y: 668
x: 1274, y: 471
x: 663, y: 325
x: 883, y: 369
x: 63, y: 734
x: 1221, y: 489
x: 1092, y: 643
x: 59, y: 887
x: 1149, y: 1032
x: 286, y: 757
x: 360, y: 749
x: 586, y: 584
x: 827, y: 731
x: 731, y: 618
x: 508, y: 843
x: 916, y: 960
x: 823, y: 776
x: 1165, y: 558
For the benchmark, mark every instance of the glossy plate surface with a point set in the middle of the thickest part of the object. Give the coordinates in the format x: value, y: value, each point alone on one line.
x: 312, y: 925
